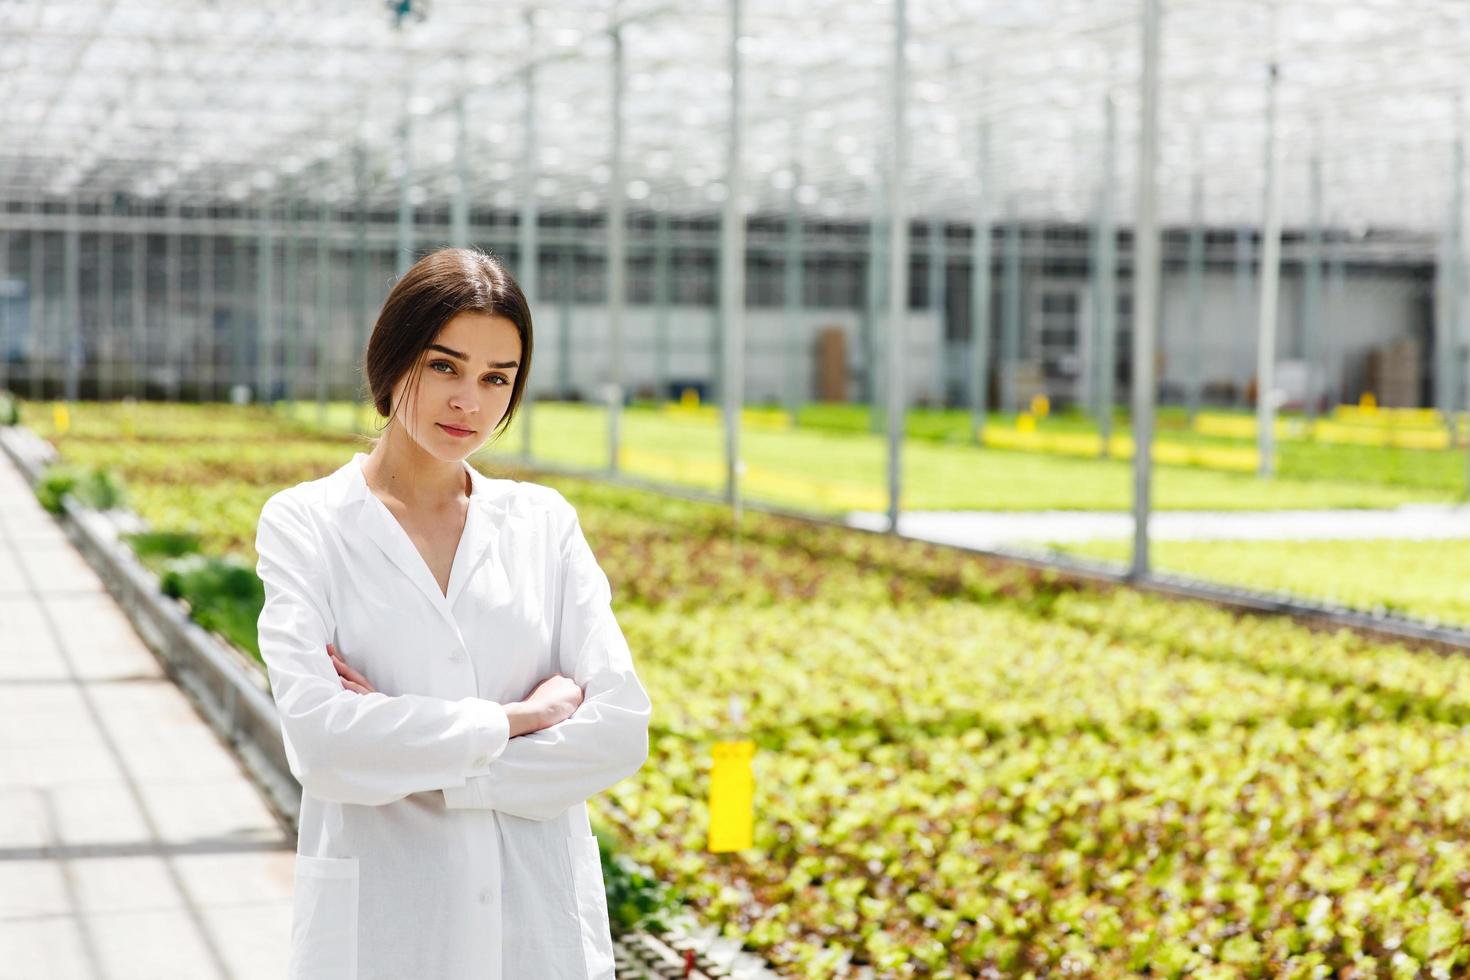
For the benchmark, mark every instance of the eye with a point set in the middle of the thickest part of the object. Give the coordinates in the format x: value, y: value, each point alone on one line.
x: 435, y: 364
x: 500, y: 379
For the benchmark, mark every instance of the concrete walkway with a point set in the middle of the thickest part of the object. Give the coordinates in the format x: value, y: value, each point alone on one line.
x: 986, y: 529
x: 131, y: 843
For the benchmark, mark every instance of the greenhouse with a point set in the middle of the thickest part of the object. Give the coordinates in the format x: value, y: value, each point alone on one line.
x: 1027, y: 446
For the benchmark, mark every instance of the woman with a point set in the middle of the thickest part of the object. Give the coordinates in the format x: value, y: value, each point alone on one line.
x: 450, y: 679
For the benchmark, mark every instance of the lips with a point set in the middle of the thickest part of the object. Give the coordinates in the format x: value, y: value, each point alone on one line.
x: 456, y: 430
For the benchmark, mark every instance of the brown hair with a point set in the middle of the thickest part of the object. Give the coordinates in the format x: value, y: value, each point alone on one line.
x: 439, y: 287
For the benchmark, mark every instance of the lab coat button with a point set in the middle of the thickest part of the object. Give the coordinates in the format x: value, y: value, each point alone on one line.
x: 485, y: 897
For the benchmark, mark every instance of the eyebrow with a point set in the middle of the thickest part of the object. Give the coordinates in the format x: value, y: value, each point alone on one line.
x: 465, y: 357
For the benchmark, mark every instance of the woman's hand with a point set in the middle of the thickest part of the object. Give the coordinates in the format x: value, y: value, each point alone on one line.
x: 351, y: 679
x: 552, y: 701
x: 559, y: 696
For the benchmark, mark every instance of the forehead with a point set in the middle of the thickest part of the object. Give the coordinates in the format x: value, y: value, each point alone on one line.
x: 480, y: 333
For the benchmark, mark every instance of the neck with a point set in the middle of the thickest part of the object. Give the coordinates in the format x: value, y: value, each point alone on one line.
x: 402, y: 469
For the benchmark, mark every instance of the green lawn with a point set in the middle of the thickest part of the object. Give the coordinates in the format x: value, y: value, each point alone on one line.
x: 829, y: 471
x: 1421, y: 579
x: 1444, y: 471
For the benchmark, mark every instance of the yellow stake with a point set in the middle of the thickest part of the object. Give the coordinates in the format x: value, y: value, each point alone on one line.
x: 62, y: 418
x: 731, y: 797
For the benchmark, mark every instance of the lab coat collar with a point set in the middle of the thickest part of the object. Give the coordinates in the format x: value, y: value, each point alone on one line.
x: 376, y: 522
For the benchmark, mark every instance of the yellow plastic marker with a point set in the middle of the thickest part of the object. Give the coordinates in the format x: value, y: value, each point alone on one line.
x: 689, y: 398
x: 731, y: 797
x: 1025, y: 422
x: 62, y: 418
x: 1041, y: 406
x: 732, y: 790
x: 1368, y: 401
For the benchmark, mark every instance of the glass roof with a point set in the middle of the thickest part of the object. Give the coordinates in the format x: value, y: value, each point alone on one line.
x: 196, y: 101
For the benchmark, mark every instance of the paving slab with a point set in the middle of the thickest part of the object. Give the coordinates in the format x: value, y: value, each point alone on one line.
x: 132, y: 843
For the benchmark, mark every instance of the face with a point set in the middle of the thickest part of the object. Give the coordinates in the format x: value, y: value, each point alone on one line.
x: 462, y: 384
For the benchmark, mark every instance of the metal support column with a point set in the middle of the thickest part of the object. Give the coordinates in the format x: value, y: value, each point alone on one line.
x: 1146, y: 288
x: 898, y: 261
x: 661, y: 368
x: 794, y: 286
x: 291, y: 304
x: 1010, y: 310
x: 459, y: 204
x: 1444, y: 317
x: 6, y: 341
x: 205, y: 331
x: 980, y: 294
x: 529, y: 273
x: 617, y: 265
x: 566, y: 283
x: 1458, y: 326
x: 1336, y: 305
x: 716, y: 360
x: 138, y: 321
x: 875, y: 296
x: 265, y: 314
x: 405, y: 191
x: 173, y: 317
x: 323, y: 319
x: 71, y: 305
x: 1453, y: 350
x: 38, y: 310
x: 1107, y: 281
x: 1312, y: 292
x: 732, y: 275
x: 1270, y: 278
x: 361, y: 308
x: 1195, y: 276
x: 1245, y: 300
x: 106, y: 318
x: 240, y: 335
x: 938, y: 282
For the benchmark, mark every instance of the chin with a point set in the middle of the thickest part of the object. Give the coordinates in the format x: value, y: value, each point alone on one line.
x: 454, y: 454
x: 444, y: 448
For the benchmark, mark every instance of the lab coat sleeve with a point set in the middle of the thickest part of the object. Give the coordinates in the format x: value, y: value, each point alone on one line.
x: 541, y: 774
x: 345, y: 747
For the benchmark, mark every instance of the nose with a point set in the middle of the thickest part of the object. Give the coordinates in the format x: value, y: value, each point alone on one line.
x: 463, y: 400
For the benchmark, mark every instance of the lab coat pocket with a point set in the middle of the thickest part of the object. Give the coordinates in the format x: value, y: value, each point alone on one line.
x: 324, y: 919
x: 592, y: 907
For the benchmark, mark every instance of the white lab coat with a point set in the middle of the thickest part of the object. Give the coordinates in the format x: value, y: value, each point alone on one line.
x: 432, y: 846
